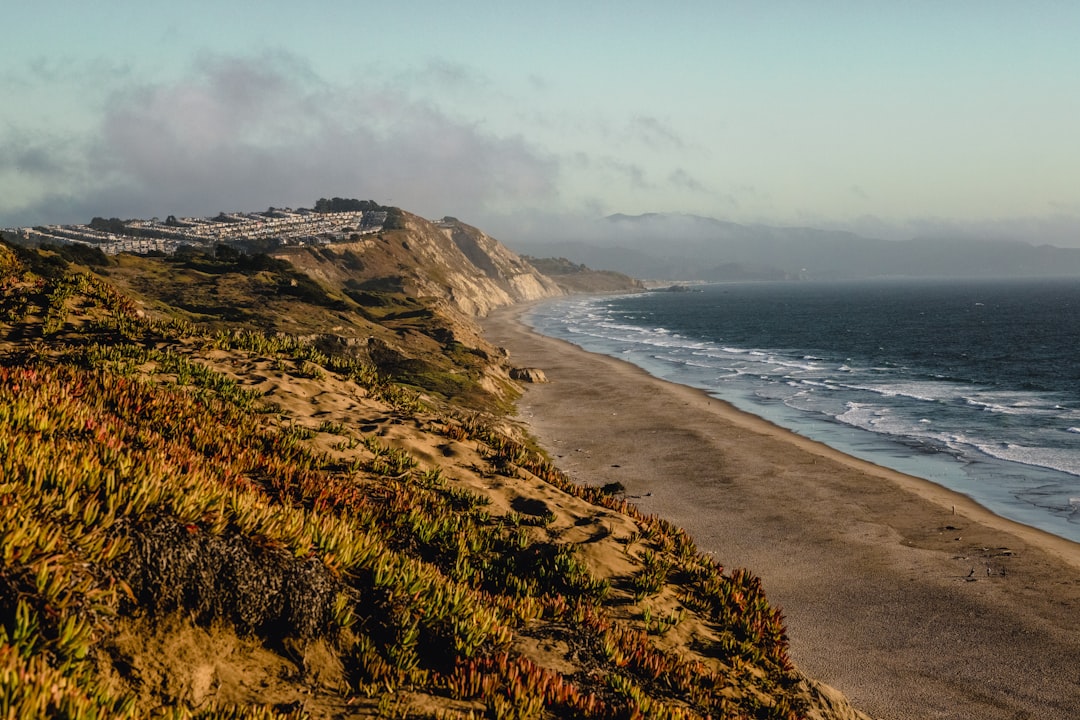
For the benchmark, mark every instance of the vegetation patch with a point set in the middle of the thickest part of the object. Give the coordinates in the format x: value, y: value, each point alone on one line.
x: 299, y: 497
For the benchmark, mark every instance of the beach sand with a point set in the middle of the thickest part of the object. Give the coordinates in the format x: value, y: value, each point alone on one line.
x: 910, y: 599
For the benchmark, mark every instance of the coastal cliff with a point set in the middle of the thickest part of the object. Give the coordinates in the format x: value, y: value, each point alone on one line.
x: 284, y: 486
x: 448, y: 260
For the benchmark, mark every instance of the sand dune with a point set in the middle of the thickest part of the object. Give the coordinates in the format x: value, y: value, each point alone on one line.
x: 912, y: 600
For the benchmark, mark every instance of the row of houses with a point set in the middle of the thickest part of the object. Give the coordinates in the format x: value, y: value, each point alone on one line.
x: 285, y: 227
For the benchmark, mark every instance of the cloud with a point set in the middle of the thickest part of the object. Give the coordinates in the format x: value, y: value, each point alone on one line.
x: 632, y: 173
x: 247, y: 132
x: 35, y: 158
x: 60, y: 69
x: 612, y: 169
x: 655, y: 133
x: 441, y: 74
x: 538, y: 83
x: 680, y: 178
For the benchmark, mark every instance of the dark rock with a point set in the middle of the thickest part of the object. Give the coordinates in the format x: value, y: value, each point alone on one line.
x: 532, y: 375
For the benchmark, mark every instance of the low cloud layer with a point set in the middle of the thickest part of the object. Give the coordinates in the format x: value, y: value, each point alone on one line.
x: 243, y: 133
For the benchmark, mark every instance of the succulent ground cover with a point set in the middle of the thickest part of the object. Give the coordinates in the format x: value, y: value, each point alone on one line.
x: 212, y: 522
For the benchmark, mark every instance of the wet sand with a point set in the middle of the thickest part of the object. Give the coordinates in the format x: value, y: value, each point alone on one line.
x: 911, y: 599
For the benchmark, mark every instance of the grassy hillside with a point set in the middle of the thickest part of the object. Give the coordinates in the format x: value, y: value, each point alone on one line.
x: 577, y: 278
x: 414, y: 339
x: 203, y: 519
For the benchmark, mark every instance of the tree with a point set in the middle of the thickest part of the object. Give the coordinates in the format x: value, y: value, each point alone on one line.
x: 226, y: 253
x: 112, y: 225
x: 346, y: 205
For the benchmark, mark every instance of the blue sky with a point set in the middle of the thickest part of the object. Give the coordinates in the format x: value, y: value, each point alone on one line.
x: 892, y: 119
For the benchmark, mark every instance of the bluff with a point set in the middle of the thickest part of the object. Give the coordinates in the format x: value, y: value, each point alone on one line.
x: 576, y: 277
x: 252, y: 487
x: 447, y: 260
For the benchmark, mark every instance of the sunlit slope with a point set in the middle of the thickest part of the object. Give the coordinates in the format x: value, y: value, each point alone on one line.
x: 200, y: 520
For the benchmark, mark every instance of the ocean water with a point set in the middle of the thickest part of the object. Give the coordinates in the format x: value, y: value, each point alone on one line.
x: 974, y: 385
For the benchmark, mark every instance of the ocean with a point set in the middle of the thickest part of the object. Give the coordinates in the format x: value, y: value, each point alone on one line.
x: 974, y: 385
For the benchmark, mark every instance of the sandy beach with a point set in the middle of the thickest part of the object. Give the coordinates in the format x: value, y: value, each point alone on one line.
x: 910, y: 599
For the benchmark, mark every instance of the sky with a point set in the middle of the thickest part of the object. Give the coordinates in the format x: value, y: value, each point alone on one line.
x: 890, y: 119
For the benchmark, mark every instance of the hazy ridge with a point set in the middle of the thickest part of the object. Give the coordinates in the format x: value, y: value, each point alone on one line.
x: 691, y: 247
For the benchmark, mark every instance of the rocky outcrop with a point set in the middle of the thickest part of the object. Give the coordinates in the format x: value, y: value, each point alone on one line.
x: 504, y: 277
x: 531, y: 375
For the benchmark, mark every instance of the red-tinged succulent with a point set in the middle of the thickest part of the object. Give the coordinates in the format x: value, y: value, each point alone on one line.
x: 139, y: 476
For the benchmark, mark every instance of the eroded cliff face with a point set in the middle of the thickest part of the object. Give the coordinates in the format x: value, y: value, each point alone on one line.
x: 448, y: 260
x: 509, y: 271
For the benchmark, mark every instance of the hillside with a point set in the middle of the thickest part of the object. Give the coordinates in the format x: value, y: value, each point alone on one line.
x: 254, y: 487
x: 450, y: 261
x: 577, y: 278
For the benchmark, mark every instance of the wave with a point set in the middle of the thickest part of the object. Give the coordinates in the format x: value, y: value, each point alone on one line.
x: 1066, y: 460
x: 886, y: 421
x: 928, y: 391
x: 999, y: 438
x: 1017, y: 402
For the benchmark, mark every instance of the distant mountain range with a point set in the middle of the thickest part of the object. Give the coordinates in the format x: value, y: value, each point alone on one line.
x: 691, y: 247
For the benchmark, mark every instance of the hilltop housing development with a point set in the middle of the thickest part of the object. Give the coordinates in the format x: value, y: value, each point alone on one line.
x: 273, y: 227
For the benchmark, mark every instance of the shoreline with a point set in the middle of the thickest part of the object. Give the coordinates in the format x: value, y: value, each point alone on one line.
x: 910, y: 598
